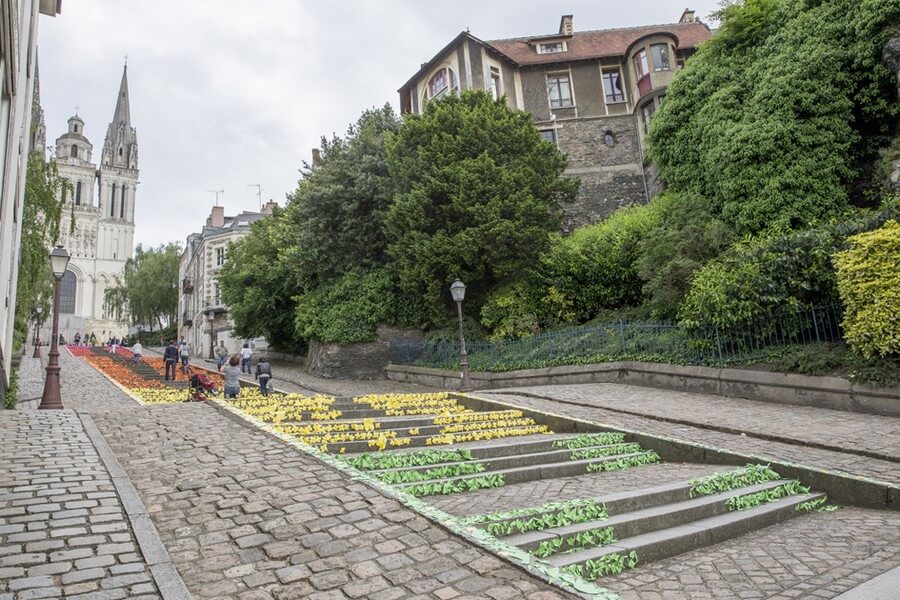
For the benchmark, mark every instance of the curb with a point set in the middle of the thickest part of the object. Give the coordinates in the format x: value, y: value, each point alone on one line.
x: 169, y: 583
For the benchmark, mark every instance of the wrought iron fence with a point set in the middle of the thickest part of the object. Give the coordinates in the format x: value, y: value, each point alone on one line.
x: 633, y: 340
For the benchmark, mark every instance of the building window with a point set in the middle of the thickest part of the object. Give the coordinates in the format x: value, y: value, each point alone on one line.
x: 73, y: 151
x: 68, y: 285
x: 220, y: 257
x: 120, y: 152
x: 76, y: 128
x: 609, y: 139
x: 560, y: 91
x: 551, y: 48
x: 78, y: 193
x: 647, y: 113
x: 548, y: 135
x: 217, y: 295
x: 641, y: 67
x: 496, y: 88
x: 122, y: 204
x: 441, y: 83
x: 112, y: 201
x: 612, y: 86
x: 660, y: 57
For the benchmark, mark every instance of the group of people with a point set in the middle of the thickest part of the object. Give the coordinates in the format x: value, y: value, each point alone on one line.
x: 84, y: 340
x: 232, y: 366
x: 175, y: 352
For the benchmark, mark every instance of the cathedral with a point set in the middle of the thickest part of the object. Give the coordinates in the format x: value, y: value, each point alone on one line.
x: 101, y: 201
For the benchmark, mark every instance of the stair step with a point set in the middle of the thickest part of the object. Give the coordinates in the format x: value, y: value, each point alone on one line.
x: 663, y: 543
x: 533, y: 472
x: 647, y: 519
x: 504, y: 462
x: 416, y: 441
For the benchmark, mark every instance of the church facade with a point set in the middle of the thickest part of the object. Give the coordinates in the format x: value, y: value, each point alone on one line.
x: 102, y: 201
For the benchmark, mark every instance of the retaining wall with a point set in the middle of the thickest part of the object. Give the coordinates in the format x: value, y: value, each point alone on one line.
x: 782, y: 388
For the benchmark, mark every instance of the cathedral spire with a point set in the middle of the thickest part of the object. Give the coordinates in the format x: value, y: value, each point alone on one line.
x: 120, y: 146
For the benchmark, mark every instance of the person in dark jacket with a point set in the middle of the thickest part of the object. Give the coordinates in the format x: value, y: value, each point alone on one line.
x: 170, y: 356
x: 263, y: 374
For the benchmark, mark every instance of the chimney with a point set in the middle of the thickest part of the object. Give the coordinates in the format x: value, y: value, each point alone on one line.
x: 687, y: 16
x: 216, y: 217
x: 316, y: 157
x: 269, y: 207
x: 565, y: 25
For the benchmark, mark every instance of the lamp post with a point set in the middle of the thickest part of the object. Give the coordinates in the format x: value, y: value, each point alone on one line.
x: 458, y: 292
x: 37, y: 332
x: 50, y: 399
x: 212, y: 335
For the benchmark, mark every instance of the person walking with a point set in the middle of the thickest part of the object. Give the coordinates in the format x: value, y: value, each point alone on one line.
x: 221, y: 355
x: 170, y: 357
x: 263, y: 375
x: 136, y: 351
x: 185, y: 352
x: 232, y: 377
x: 246, y: 355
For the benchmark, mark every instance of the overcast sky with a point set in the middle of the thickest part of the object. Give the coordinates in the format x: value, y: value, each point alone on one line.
x: 224, y: 95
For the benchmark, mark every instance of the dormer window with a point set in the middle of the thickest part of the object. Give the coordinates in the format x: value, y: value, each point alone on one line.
x: 441, y: 83
x: 551, y: 48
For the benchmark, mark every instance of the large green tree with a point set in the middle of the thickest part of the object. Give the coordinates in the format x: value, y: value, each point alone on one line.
x: 477, y: 195
x: 259, y: 284
x: 41, y: 217
x: 776, y: 118
x: 148, y: 290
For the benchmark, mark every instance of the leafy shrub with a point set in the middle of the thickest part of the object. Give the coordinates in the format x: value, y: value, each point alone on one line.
x: 869, y: 285
x: 687, y: 235
x: 510, y: 312
x: 595, y: 267
x: 779, y: 271
x: 349, y: 310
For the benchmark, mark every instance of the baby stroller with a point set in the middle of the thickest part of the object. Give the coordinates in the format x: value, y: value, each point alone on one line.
x: 200, y: 386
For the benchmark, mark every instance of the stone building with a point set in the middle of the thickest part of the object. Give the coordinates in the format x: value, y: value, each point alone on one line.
x: 203, y: 317
x: 592, y: 93
x: 102, y: 201
x: 18, y: 73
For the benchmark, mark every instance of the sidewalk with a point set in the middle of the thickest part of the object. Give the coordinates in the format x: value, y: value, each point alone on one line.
x: 66, y: 528
x: 858, y: 444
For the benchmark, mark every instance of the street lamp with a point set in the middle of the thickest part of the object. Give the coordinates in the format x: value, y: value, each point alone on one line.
x: 458, y: 292
x: 50, y: 399
x: 37, y: 332
x: 212, y: 335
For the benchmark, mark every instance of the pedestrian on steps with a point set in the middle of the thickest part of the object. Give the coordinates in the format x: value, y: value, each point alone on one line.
x: 185, y: 352
x: 221, y: 355
x: 246, y: 355
x: 263, y: 375
x: 170, y: 356
x: 232, y: 377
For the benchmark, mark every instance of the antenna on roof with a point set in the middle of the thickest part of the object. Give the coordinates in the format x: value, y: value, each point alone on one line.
x: 216, y: 192
x: 259, y: 191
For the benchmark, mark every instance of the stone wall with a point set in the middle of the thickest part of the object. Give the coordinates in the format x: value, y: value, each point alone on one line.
x: 611, y: 176
x: 356, y: 361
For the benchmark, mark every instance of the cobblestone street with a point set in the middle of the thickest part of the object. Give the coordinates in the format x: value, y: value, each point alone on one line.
x: 244, y: 515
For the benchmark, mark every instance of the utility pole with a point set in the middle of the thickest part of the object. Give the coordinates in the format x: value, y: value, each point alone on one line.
x: 216, y: 192
x: 259, y: 191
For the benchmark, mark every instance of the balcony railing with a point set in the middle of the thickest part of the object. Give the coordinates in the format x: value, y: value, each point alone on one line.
x: 187, y: 286
x: 644, y: 85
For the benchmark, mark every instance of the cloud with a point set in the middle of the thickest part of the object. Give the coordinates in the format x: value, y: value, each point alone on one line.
x: 226, y: 93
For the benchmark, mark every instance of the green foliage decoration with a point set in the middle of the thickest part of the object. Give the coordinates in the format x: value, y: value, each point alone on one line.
x: 602, y: 451
x: 468, y: 484
x: 371, y: 461
x: 516, y: 513
x: 609, y: 564
x: 624, y: 463
x: 718, y: 483
x: 590, y: 439
x: 567, y: 514
x: 868, y: 278
x: 446, y: 471
x: 748, y: 501
x: 590, y: 538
